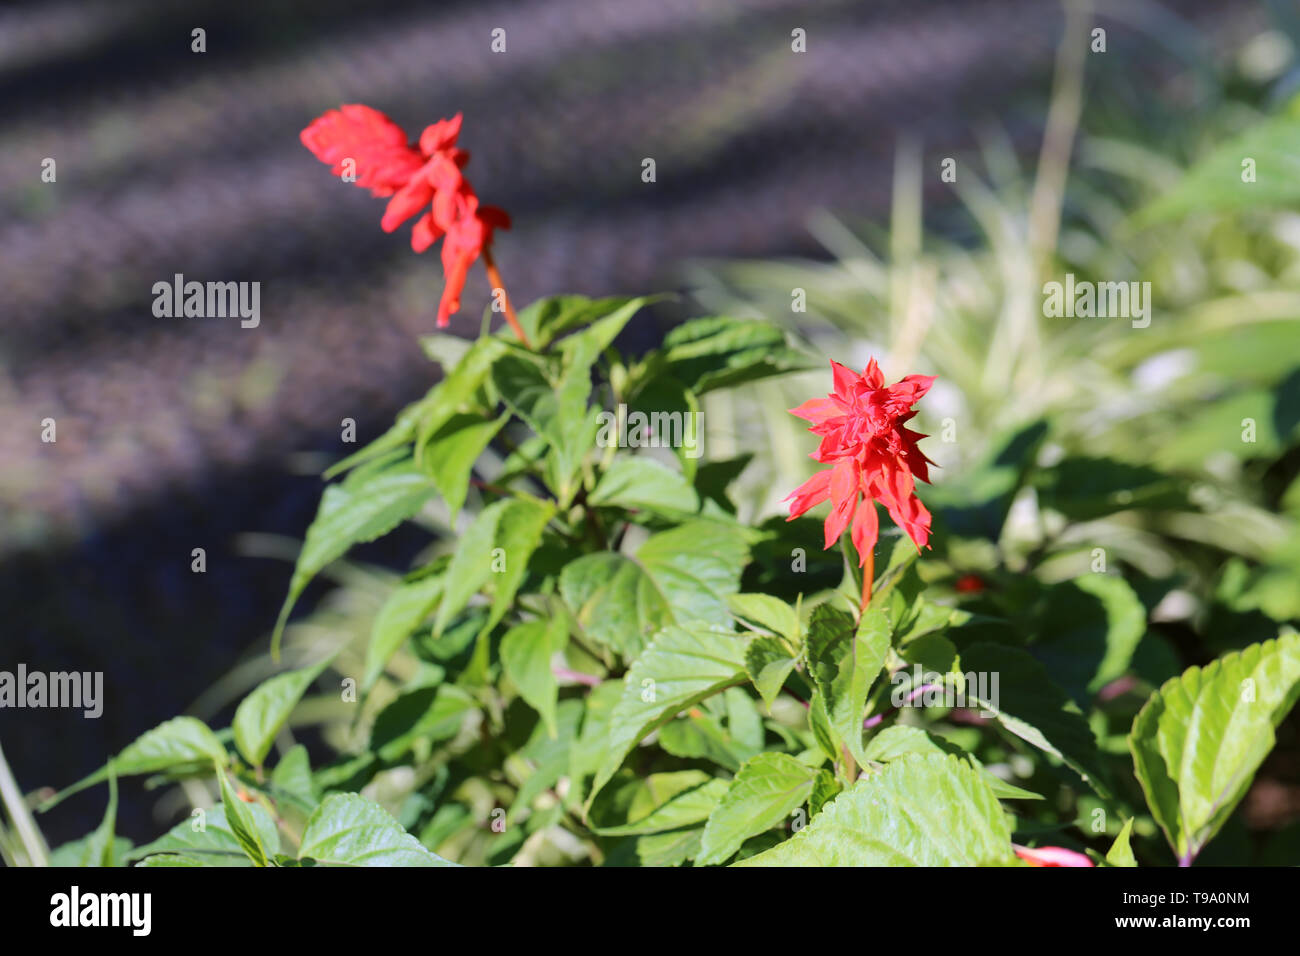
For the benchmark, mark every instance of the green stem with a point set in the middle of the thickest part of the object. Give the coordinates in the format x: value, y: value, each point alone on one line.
x: 38, y: 853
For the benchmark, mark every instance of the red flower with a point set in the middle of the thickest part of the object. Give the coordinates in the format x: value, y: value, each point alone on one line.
x: 873, y: 457
x: 428, y: 176
x: 969, y: 584
x: 1051, y: 856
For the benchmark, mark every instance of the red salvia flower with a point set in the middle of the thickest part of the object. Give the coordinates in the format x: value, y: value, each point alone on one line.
x: 873, y: 457
x: 415, y: 177
x: 1051, y: 856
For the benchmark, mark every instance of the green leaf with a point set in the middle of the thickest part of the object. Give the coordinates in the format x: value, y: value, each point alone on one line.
x: 457, y: 391
x: 919, y: 811
x: 206, y: 839
x: 820, y: 725
x: 471, y: 565
x: 825, y: 788
x: 1020, y: 695
x: 446, y: 349
x: 678, y: 576
x: 1198, y: 741
x: 767, y: 612
x: 527, y: 389
x: 978, y: 505
x: 546, y: 318
x: 781, y: 572
x: 242, y: 824
x: 526, y: 652
x: 455, y: 447
x: 429, y: 413
x: 670, y: 413
x: 642, y: 796
x: 550, y: 756
x: 1215, y: 182
x: 768, y: 663
x: 683, y: 809
x: 100, y: 847
x: 1088, y: 488
x: 78, y: 853
x: 899, y: 741
x: 554, y: 401
x: 669, y: 849
x: 1120, y: 852
x: 744, y: 723
x: 699, y: 737
x: 430, y: 713
x: 368, y: 504
x: 292, y: 778
x: 764, y: 793
x: 582, y: 348
x: 679, y: 668
x: 644, y: 484
x: 719, y: 352
x: 263, y: 712
x: 349, y: 830
x: 405, y: 608
x: 182, y: 744
x: 518, y: 534
x: 399, y: 435
x: 844, y: 658
x: 1092, y: 627
x: 588, y: 751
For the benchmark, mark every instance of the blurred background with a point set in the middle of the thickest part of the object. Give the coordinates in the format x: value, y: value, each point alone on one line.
x: 775, y: 170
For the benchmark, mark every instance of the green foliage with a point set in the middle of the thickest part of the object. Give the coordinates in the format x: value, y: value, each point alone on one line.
x: 601, y: 657
x: 918, y: 811
x: 1200, y: 738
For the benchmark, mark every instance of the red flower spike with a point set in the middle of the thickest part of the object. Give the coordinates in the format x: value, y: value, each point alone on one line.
x: 1051, y: 856
x: 873, y: 458
x: 428, y: 178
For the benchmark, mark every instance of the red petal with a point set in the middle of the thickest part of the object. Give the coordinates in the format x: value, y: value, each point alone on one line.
x: 440, y: 135
x: 866, y: 529
x: 384, y: 161
x: 894, y: 490
x: 816, y: 410
x: 413, y: 197
x: 920, y: 385
x: 844, y: 496
x: 425, y: 233
x: 872, y: 376
x: 845, y: 379
x: 457, y: 257
x: 1051, y: 856
x: 914, y: 458
x: 810, y: 494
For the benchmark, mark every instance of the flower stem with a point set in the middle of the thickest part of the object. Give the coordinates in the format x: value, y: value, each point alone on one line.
x: 494, y: 277
x: 11, y: 797
x: 868, y: 574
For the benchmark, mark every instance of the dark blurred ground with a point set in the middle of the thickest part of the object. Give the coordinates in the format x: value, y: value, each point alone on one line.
x: 178, y: 433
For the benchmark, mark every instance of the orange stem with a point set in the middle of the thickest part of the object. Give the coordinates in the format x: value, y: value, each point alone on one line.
x: 868, y: 573
x: 494, y: 277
